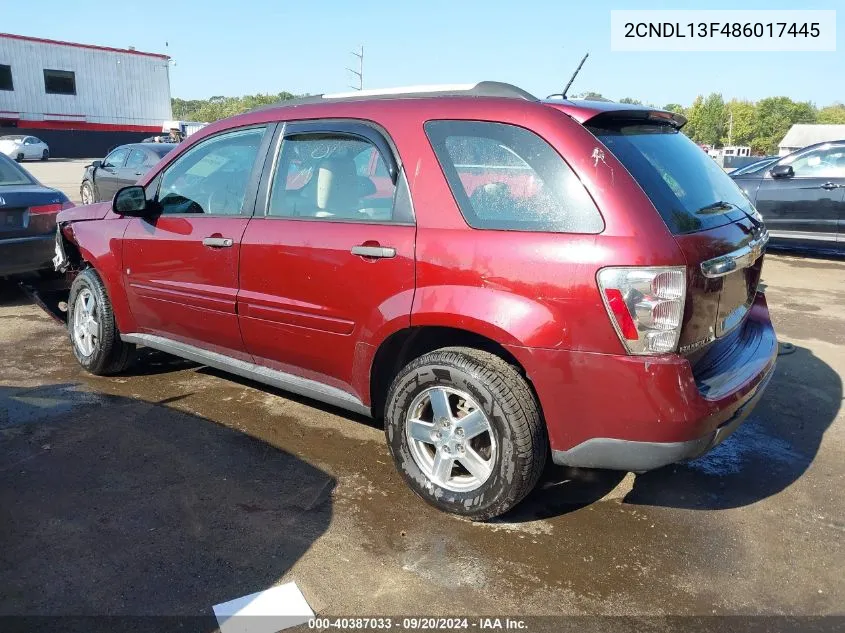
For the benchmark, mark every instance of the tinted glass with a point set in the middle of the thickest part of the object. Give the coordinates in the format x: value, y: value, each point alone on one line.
x: 683, y: 182
x: 12, y: 174
x: 137, y: 159
x: 824, y: 162
x: 59, y: 82
x: 6, y: 77
x: 161, y: 149
x: 754, y: 168
x: 213, y: 176
x: 505, y: 177
x: 116, y: 158
x: 327, y: 176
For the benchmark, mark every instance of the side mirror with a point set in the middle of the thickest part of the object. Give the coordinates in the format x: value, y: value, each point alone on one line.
x: 131, y: 202
x: 96, y: 164
x: 782, y: 171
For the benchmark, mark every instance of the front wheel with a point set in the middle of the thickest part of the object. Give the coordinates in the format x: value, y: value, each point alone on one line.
x: 93, y: 332
x: 466, y: 432
x: 45, y: 154
x: 86, y: 193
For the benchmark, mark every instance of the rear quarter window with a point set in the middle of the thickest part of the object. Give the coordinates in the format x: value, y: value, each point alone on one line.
x: 505, y: 177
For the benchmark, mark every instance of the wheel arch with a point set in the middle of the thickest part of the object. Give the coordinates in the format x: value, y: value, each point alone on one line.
x: 403, y: 346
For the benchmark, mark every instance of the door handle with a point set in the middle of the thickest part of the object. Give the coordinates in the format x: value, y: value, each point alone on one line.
x: 218, y: 242
x: 830, y: 185
x: 139, y: 173
x: 384, y: 252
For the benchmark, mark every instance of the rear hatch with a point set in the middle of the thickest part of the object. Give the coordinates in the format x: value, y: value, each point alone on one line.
x: 715, y: 225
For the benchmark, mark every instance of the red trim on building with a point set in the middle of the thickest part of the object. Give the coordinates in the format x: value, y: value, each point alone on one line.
x: 40, y: 40
x: 82, y: 125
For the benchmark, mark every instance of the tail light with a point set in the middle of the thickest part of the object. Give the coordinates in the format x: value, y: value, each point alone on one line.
x: 646, y: 306
x: 50, y: 208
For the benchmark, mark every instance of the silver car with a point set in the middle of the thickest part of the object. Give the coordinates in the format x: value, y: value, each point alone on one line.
x: 22, y: 147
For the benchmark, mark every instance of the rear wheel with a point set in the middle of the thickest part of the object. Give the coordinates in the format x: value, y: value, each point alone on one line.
x: 93, y: 332
x: 45, y: 154
x: 466, y: 432
x: 19, y: 158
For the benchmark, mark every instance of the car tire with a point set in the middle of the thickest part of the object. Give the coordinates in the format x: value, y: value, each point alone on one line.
x: 93, y: 331
x: 86, y: 193
x: 19, y: 158
x: 45, y: 154
x: 512, y: 449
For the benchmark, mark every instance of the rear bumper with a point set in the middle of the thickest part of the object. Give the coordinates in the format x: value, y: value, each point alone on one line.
x: 637, y: 413
x: 26, y: 254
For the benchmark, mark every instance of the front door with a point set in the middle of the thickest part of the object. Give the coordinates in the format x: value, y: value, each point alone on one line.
x: 805, y: 209
x: 327, y: 264
x: 181, y: 267
x: 107, y: 174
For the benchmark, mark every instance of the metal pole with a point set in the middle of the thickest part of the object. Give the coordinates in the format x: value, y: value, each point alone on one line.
x: 360, y: 72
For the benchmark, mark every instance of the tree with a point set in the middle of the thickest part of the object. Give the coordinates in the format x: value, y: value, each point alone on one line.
x: 706, y: 119
x: 677, y: 108
x: 775, y: 115
x: 592, y: 96
x: 630, y: 100
x: 219, y: 107
x: 742, y: 129
x: 832, y: 114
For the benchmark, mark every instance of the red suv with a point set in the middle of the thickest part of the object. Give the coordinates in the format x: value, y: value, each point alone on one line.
x: 501, y: 279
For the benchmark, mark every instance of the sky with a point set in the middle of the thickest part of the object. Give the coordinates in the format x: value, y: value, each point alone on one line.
x: 232, y: 48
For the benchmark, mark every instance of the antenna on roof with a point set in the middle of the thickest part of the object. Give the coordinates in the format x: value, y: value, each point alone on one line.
x: 360, y: 72
x: 571, y: 79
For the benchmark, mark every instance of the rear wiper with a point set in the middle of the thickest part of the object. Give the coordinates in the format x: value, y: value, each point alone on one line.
x: 719, y: 205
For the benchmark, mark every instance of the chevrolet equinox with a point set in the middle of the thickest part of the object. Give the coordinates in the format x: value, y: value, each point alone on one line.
x: 501, y: 279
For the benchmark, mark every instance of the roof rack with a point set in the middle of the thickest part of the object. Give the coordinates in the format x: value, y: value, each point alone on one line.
x: 480, y: 89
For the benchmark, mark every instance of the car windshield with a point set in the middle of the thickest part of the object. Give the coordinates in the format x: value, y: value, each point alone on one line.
x: 12, y: 174
x: 689, y: 190
x: 754, y: 167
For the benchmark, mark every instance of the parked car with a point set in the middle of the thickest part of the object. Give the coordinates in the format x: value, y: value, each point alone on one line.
x: 802, y: 197
x: 22, y: 147
x: 529, y: 279
x: 28, y: 212
x: 123, y: 166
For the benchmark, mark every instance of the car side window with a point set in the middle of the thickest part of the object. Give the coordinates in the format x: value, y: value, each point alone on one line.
x: 137, y: 158
x: 327, y: 176
x: 212, y: 177
x: 505, y: 177
x: 825, y: 162
x: 116, y: 158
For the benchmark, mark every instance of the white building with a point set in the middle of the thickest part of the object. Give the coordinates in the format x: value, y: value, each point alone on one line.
x: 81, y: 99
x: 804, y: 134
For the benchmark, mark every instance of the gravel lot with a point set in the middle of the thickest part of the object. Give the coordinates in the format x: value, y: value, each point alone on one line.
x: 175, y: 487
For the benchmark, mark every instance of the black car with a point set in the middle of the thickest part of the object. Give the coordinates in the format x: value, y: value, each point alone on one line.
x: 756, y: 166
x: 802, y: 197
x: 122, y: 167
x: 27, y: 220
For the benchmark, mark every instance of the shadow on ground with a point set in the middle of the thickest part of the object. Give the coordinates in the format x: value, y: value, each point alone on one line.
x: 110, y: 505
x: 767, y: 454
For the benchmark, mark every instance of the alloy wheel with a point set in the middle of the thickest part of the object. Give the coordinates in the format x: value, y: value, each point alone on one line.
x: 451, y: 439
x: 86, y: 328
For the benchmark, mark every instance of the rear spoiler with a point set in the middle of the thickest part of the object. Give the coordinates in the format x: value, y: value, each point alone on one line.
x: 641, y: 114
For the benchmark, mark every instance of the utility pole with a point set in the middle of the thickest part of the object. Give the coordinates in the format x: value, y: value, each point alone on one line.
x: 360, y: 72
x: 730, y: 127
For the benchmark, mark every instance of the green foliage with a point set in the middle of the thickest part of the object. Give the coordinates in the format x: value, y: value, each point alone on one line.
x: 739, y: 129
x: 630, y: 100
x: 219, y: 107
x: 834, y: 114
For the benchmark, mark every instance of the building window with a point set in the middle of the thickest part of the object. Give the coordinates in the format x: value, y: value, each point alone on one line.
x: 6, y: 77
x: 59, y: 82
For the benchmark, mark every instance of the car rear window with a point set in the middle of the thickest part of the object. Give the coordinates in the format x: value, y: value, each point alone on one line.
x: 683, y: 182
x: 11, y: 174
x: 507, y: 178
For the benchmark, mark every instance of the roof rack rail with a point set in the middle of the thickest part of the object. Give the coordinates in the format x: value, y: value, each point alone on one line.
x: 480, y: 89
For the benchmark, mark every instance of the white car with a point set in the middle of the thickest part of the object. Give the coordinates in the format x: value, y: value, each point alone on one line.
x: 21, y: 147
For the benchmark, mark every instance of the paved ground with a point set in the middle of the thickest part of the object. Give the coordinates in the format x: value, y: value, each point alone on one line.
x: 62, y: 173
x: 175, y: 487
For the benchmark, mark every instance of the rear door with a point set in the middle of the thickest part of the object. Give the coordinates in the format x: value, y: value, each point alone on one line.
x: 181, y: 267
x: 107, y: 175
x: 805, y: 209
x: 328, y: 261
x: 712, y: 221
